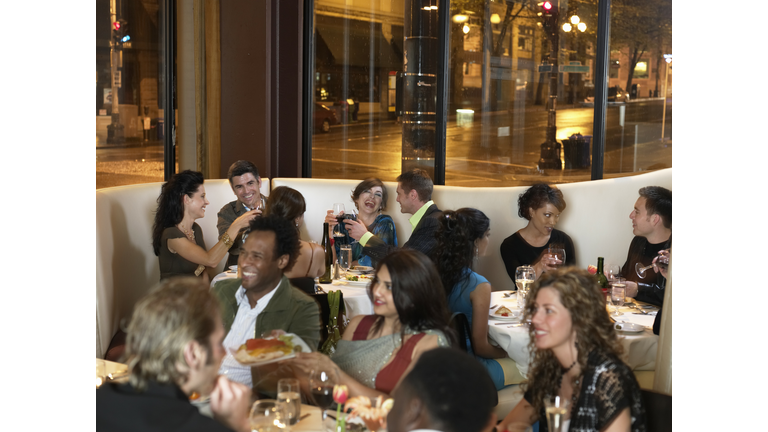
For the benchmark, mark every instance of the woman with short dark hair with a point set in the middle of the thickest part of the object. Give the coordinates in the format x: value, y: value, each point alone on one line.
x: 410, y: 317
x: 370, y: 199
x: 177, y: 239
x: 541, y: 204
x: 576, y: 355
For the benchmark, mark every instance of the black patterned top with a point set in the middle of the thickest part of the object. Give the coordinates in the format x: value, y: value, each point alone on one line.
x: 608, y: 386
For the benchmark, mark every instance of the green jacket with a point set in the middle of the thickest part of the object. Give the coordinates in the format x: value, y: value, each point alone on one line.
x: 289, y: 309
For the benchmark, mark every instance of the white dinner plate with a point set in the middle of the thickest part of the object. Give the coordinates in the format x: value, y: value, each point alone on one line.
x: 628, y: 327
x: 352, y: 284
x: 360, y: 269
x: 297, y: 341
x: 492, y: 314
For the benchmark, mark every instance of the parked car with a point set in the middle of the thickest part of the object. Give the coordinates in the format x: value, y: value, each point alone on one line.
x: 615, y: 94
x: 324, y: 117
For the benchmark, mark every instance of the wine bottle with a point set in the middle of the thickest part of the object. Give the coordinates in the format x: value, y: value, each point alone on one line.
x: 601, y: 279
x: 327, y: 276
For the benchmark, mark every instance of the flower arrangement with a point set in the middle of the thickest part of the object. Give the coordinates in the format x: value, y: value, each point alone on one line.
x: 373, y: 415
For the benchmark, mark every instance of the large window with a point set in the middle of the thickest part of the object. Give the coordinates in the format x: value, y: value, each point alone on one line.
x: 130, y: 88
x: 520, y: 90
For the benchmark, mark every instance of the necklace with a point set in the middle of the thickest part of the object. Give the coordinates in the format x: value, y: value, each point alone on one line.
x: 190, y: 234
x: 566, y: 370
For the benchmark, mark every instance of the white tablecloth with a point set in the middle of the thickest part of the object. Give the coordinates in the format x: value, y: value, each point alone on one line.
x: 640, y: 347
x: 356, y: 299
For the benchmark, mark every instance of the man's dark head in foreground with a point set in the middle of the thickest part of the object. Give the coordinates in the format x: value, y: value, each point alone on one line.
x: 447, y: 390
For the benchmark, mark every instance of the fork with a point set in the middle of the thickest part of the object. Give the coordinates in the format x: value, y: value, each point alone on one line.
x: 634, y: 306
x: 494, y: 307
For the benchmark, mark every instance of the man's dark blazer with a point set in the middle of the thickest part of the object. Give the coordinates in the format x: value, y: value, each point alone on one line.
x: 422, y: 238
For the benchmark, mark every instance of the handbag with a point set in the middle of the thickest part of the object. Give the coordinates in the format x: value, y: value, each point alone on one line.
x: 336, y: 322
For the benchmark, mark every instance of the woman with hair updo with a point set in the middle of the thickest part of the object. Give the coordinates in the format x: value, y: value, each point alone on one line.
x: 177, y: 239
x: 289, y: 203
x: 462, y: 237
x: 577, y: 356
x: 541, y: 204
x: 410, y: 317
x: 370, y: 199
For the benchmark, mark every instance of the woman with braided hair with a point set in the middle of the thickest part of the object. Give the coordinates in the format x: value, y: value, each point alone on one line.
x: 577, y: 356
x: 463, y: 236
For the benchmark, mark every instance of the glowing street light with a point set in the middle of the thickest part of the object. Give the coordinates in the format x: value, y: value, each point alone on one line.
x: 465, y: 29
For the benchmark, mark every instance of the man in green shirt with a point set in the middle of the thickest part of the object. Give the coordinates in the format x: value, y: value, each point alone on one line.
x: 414, y: 193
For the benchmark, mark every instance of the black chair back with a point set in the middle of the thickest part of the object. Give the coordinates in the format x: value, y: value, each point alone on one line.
x: 658, y: 411
x: 460, y: 324
x: 306, y: 284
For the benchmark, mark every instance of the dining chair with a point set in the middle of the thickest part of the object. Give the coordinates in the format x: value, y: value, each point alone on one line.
x: 658, y: 411
x: 460, y: 325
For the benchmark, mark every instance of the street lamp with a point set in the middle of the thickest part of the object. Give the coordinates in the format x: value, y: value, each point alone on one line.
x: 576, y: 21
x: 668, y: 60
x: 465, y: 29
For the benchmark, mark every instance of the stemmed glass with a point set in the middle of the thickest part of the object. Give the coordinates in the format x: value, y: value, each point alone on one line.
x: 556, y: 409
x: 557, y: 255
x: 338, y: 209
x: 321, y: 382
x: 268, y: 415
x: 661, y: 261
x: 618, y: 290
x: 524, y: 277
x: 611, y: 271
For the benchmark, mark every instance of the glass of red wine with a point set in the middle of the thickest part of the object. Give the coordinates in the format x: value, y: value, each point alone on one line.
x: 662, y: 261
x: 321, y: 382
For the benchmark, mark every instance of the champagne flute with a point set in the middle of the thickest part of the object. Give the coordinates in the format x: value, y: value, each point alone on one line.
x: 268, y: 415
x: 618, y: 290
x: 321, y: 382
x: 556, y: 409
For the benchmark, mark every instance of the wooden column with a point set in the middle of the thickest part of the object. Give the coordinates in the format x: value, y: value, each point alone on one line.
x: 208, y: 86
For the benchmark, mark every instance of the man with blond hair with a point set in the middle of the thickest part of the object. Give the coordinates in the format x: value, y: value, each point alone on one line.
x: 174, y: 349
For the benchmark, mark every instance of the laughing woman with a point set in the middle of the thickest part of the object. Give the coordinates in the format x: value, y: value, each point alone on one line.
x: 541, y: 204
x: 177, y: 239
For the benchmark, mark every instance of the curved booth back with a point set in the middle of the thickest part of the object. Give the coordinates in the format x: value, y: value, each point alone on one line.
x: 596, y: 218
x: 126, y: 266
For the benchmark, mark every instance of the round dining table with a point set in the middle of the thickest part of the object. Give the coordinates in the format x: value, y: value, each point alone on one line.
x: 639, y: 347
x: 355, y: 294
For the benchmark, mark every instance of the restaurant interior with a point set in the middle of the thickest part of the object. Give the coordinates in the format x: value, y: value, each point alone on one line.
x: 246, y: 79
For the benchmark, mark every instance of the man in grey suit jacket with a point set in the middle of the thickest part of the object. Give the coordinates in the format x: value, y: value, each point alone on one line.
x: 414, y: 193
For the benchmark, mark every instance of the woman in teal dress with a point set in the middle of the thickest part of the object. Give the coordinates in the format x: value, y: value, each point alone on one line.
x: 370, y: 199
x: 462, y: 237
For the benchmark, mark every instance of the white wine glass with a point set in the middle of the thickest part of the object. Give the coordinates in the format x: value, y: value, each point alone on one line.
x: 556, y: 409
x: 611, y: 271
x: 524, y: 277
x: 618, y: 291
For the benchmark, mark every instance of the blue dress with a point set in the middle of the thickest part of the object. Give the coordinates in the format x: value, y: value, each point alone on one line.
x: 459, y: 301
x: 382, y: 227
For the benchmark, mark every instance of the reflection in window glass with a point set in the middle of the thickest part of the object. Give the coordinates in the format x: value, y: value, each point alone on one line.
x: 358, y: 54
x: 641, y: 33
x: 129, y: 93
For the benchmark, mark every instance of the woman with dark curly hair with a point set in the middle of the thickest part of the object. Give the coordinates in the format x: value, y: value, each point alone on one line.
x: 462, y: 237
x: 410, y: 317
x: 541, y: 204
x: 289, y: 203
x: 177, y: 239
x: 576, y: 355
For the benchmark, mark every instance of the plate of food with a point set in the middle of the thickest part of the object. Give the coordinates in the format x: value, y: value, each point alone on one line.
x: 504, y: 313
x: 360, y: 269
x: 355, y: 280
x: 258, y: 352
x: 628, y: 327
